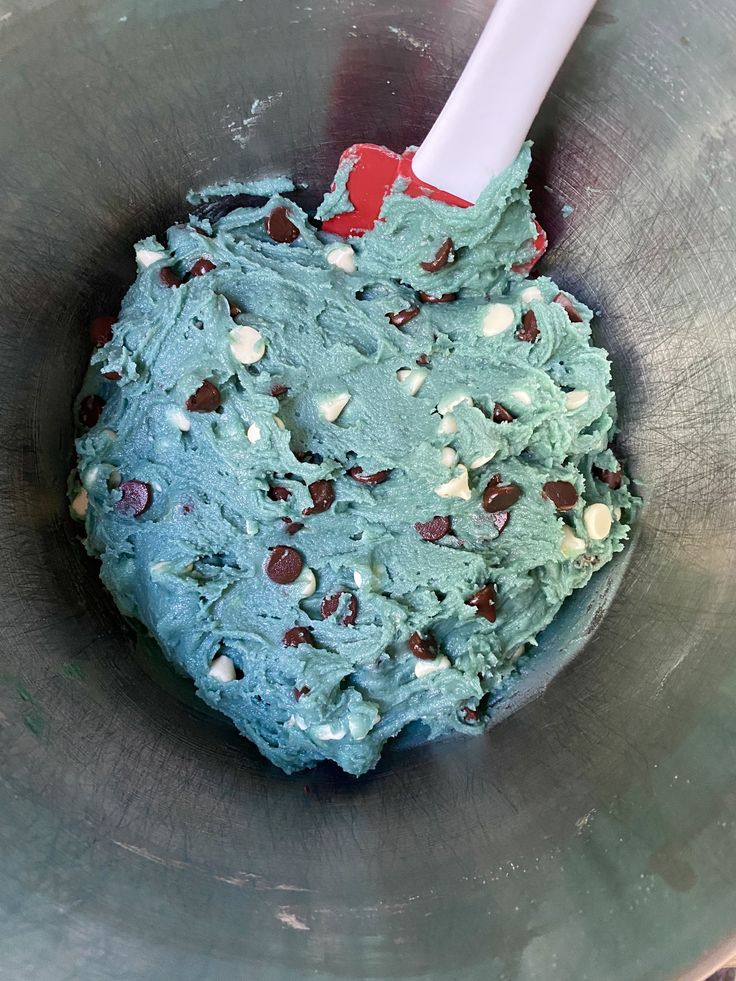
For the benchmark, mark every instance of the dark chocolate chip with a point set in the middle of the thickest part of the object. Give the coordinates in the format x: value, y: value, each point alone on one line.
x: 436, y: 528
x: 423, y: 360
x: 283, y: 564
x: 280, y: 227
x: 330, y: 604
x: 498, y: 496
x: 113, y: 376
x: 201, y: 266
x: 100, y: 330
x: 298, y: 635
x: 528, y: 331
x: 168, y: 277
x: 201, y: 231
x: 470, y: 715
x: 611, y: 477
x: 278, y: 390
x: 561, y: 493
x: 233, y: 309
x: 567, y: 305
x: 484, y: 602
x: 440, y: 259
x: 369, y: 478
x: 205, y: 399
x: 444, y: 298
x: 500, y: 519
x: 298, y: 692
x: 402, y: 317
x: 90, y: 409
x: 136, y: 498
x: 292, y: 527
x: 322, y: 493
x: 425, y: 648
x: 278, y: 493
x: 501, y: 414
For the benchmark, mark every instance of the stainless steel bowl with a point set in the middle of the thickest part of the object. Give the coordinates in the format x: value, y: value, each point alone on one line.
x: 591, y: 834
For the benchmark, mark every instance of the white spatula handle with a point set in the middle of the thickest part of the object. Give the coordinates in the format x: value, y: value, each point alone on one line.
x: 490, y: 110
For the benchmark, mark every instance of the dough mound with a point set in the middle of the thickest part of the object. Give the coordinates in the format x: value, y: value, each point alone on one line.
x: 294, y: 433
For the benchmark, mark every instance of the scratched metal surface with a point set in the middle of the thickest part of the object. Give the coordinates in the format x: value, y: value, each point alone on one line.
x: 591, y: 834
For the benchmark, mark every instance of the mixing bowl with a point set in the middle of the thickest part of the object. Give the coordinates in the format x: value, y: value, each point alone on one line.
x: 591, y: 833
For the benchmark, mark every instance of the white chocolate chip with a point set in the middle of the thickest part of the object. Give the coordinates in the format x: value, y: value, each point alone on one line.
x: 247, y: 344
x: 457, y: 487
x: 575, y: 399
x: 358, y: 578
x: 253, y: 432
x: 279, y: 422
x: 515, y: 653
x: 423, y: 668
x: 251, y: 527
x: 326, y: 732
x: 306, y: 583
x: 571, y: 546
x: 89, y: 477
x: 448, y: 425
x: 521, y: 396
x: 498, y: 318
x: 597, y: 520
x: 617, y: 513
x: 342, y: 256
x: 110, y: 434
x: 222, y: 668
x: 158, y: 567
x: 146, y: 257
x: 412, y: 379
x: 530, y: 294
x: 79, y: 504
x: 331, y: 408
x: 448, y: 402
x: 481, y: 461
x: 179, y: 419
x: 448, y: 457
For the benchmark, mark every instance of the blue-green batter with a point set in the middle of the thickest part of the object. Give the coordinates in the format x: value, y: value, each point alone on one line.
x: 295, y: 434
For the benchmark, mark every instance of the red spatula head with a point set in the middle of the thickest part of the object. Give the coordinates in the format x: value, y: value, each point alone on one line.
x: 374, y: 172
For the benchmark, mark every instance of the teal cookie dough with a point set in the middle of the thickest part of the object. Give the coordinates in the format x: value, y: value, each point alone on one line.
x: 260, y: 441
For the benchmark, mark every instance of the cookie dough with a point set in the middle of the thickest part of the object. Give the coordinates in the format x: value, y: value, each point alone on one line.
x: 346, y: 484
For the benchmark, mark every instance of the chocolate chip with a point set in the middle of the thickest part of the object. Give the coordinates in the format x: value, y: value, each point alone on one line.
x: 136, y: 498
x: 330, y: 604
x: 278, y: 493
x: 611, y: 477
x: 298, y: 635
x: 280, y: 227
x: 205, y: 399
x: 168, y: 277
x: 470, y: 715
x: 423, y: 360
x: 100, y: 330
x: 501, y: 519
x: 298, y: 692
x: 233, y: 309
x: 501, y: 414
x: 567, y: 305
x: 201, y: 231
x: 402, y: 316
x: 283, y: 564
x: 561, y: 493
x: 436, y: 528
x: 484, y: 602
x: 441, y: 257
x: 278, y: 390
x: 445, y: 298
x: 425, y: 648
x: 292, y: 527
x: 322, y: 493
x: 90, y: 409
x: 201, y: 266
x: 113, y: 376
x: 528, y: 331
x: 369, y: 478
x: 498, y: 496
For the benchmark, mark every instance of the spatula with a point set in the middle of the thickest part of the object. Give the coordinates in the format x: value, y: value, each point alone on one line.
x: 485, y: 120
